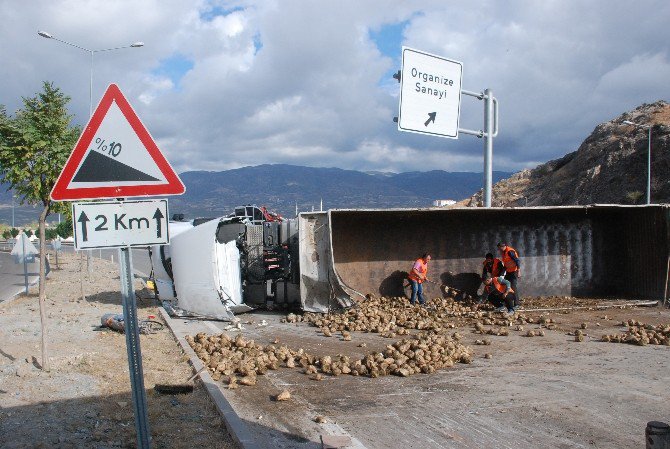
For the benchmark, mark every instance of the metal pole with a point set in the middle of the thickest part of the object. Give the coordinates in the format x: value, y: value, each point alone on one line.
x: 90, y: 90
x: 649, y: 167
x: 133, y: 347
x: 488, y: 146
x: 25, y: 262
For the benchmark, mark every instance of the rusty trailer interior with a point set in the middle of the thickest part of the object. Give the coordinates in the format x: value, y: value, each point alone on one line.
x: 584, y: 251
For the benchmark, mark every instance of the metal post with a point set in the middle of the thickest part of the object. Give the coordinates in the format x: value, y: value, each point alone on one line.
x: 133, y: 348
x: 649, y: 167
x: 488, y: 146
x: 90, y: 90
x: 25, y: 262
x: 13, y: 210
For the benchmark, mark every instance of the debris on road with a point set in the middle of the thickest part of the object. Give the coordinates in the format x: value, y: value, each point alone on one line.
x: 641, y: 334
x: 283, y: 396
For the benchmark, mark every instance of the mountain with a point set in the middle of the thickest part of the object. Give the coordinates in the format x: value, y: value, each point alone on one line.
x: 280, y: 187
x: 610, y: 166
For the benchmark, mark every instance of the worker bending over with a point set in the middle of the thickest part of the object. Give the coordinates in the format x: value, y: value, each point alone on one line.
x: 417, y: 275
x: 492, y: 266
x: 501, y: 294
x: 510, y: 259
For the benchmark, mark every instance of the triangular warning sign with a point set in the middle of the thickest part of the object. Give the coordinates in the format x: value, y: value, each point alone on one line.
x: 115, y: 157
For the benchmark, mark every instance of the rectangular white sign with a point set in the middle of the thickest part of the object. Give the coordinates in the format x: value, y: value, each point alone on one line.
x: 114, y: 224
x: 430, y: 94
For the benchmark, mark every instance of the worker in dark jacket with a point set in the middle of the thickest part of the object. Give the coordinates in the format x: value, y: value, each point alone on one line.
x: 510, y: 259
x: 417, y: 275
x: 500, y: 293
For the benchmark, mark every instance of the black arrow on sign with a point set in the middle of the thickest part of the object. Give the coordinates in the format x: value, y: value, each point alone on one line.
x: 431, y: 118
x: 83, y: 219
x: 158, y: 215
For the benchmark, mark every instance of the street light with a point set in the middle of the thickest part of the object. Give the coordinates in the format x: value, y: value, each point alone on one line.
x: 628, y: 122
x: 525, y: 199
x: 47, y: 35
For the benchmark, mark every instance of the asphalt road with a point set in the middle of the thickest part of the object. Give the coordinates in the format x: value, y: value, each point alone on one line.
x: 12, y: 278
x: 141, y: 261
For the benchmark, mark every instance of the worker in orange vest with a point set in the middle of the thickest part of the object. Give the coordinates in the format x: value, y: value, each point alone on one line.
x: 510, y: 259
x: 417, y: 275
x: 492, y: 266
x: 500, y: 293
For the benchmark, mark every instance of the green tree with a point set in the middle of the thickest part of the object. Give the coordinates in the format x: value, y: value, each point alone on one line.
x: 14, y: 232
x: 28, y: 232
x: 51, y: 233
x: 34, y: 146
x: 7, y: 234
x: 64, y: 228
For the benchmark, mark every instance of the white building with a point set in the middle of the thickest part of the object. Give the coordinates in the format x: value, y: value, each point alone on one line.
x: 442, y: 203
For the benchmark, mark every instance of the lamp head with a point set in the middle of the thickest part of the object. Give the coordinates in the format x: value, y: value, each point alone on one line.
x: 137, y: 44
x: 45, y: 34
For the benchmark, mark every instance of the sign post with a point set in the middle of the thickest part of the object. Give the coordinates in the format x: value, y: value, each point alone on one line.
x: 24, y: 252
x: 116, y: 157
x: 56, y: 244
x: 25, y: 264
x: 133, y: 348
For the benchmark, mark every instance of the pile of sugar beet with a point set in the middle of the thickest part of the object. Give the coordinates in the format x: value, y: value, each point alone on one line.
x: 428, y: 341
x: 641, y: 334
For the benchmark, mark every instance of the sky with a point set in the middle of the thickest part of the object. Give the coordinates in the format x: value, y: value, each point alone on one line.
x: 227, y: 84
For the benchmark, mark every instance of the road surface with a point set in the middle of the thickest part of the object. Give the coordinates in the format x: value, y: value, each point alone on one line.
x: 12, y: 280
x: 141, y: 261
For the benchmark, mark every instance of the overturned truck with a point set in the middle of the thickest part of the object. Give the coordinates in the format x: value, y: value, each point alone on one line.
x: 324, y: 261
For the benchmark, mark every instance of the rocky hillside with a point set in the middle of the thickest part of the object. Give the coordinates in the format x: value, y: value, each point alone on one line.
x: 610, y: 166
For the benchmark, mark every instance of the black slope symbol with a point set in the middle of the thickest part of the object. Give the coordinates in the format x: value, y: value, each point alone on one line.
x: 100, y: 168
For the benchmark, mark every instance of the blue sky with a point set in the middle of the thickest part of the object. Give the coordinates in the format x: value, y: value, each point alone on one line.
x: 224, y: 84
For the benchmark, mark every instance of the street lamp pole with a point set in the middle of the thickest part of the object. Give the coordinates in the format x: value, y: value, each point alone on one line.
x: 628, y: 122
x: 47, y: 35
x: 649, y: 166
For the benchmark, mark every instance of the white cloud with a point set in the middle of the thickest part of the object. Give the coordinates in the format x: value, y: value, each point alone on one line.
x: 315, y: 92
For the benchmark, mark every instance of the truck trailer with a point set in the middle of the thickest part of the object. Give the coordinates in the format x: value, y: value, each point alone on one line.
x: 328, y: 260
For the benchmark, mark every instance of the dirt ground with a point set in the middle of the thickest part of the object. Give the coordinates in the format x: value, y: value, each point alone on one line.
x: 85, y: 400
x: 540, y: 392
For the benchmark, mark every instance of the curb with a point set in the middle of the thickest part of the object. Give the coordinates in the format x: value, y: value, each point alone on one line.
x: 234, y: 424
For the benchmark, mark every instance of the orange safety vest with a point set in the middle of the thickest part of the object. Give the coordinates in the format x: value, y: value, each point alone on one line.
x: 498, y: 286
x: 510, y: 265
x: 423, y: 269
x: 495, y: 267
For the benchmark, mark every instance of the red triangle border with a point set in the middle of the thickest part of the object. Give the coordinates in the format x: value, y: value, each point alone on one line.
x: 61, y: 190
